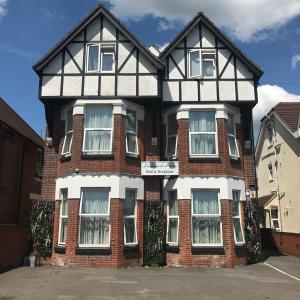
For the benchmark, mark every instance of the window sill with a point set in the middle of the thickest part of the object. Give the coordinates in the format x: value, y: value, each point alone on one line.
x: 92, y: 250
x: 172, y: 248
x: 235, y: 160
x: 65, y: 157
x: 212, y: 159
x: 131, y: 248
x: 208, y: 250
x: 132, y: 155
x: 96, y: 156
x: 60, y: 249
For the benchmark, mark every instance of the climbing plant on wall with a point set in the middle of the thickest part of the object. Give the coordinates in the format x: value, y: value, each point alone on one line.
x: 252, y: 233
x: 42, y: 218
x: 154, y: 233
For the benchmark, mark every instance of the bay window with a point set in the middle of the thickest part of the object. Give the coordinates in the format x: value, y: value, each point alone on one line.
x: 98, y: 129
x: 130, y: 234
x: 202, y: 133
x: 233, y: 149
x: 63, y: 217
x: 171, y: 135
x: 100, y: 57
x: 206, y: 218
x: 236, y: 215
x: 173, y: 218
x: 201, y: 64
x: 68, y: 133
x: 94, y: 214
x: 131, y: 132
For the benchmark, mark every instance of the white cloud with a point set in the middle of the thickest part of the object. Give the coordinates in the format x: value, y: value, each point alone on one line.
x: 245, y: 19
x: 295, y: 61
x: 165, y: 25
x: 47, y: 13
x: 3, y: 9
x: 268, y: 97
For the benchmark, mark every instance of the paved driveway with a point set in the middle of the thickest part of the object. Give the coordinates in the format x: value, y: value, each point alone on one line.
x: 251, y: 282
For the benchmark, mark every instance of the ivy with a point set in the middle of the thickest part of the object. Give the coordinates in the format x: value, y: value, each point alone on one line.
x: 154, y: 233
x: 252, y: 233
x: 42, y: 218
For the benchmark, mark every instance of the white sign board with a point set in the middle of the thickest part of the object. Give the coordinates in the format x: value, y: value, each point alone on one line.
x: 159, y: 168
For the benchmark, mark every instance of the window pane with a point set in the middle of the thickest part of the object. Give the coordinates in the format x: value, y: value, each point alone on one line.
x: 171, y: 148
x: 130, y: 230
x: 67, y: 142
x: 131, y: 142
x: 232, y: 145
x: 231, y: 125
x: 98, y: 116
x: 94, y: 230
x: 238, y: 230
x: 173, y: 229
x: 206, y: 230
x: 95, y: 202
x: 131, y: 121
x: 235, y: 209
x: 274, y: 213
x: 97, y: 140
x: 275, y: 224
x: 69, y: 120
x: 208, y: 68
x: 203, y: 144
x: 129, y: 203
x: 194, y: 63
x: 107, y: 62
x: 172, y: 125
x: 64, y: 203
x: 202, y: 121
x: 93, y: 58
x: 63, y: 230
x: 173, y: 203
x: 205, y: 202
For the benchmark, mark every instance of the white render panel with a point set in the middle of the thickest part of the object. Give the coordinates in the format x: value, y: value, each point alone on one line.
x: 192, y: 39
x: 208, y: 38
x: 185, y: 185
x: 246, y: 90
x: 178, y: 56
x: 170, y: 91
x: 77, y: 53
x: 107, y: 85
x: 127, y: 85
x: 173, y: 71
x: 189, y: 90
x: 130, y: 66
x: 148, y: 85
x: 117, y: 184
x: 109, y: 31
x: 70, y: 66
x: 93, y: 31
x: 54, y: 66
x: 227, y: 90
x: 51, y: 85
x: 124, y: 50
x: 243, y: 71
x: 223, y: 58
x: 144, y: 65
x: 91, y: 84
x: 208, y: 91
x: 72, y: 85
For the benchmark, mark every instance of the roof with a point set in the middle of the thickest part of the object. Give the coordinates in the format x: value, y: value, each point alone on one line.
x: 225, y: 40
x: 262, y: 201
x: 85, y: 22
x: 13, y: 120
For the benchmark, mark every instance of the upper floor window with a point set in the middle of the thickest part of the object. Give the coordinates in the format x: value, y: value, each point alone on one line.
x: 63, y: 218
x: 98, y: 129
x: 233, y: 149
x: 173, y: 218
x: 39, y: 163
x: 131, y: 132
x: 130, y: 234
x: 270, y: 167
x: 171, y: 135
x: 202, y: 133
x: 270, y: 133
x: 100, y: 57
x: 201, y: 63
x: 275, y: 218
x: 236, y: 215
x: 68, y: 133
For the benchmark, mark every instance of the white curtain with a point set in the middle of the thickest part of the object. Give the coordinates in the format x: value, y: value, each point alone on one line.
x: 205, y: 202
x: 129, y: 222
x: 107, y: 61
x: 206, y: 230
x: 63, y: 230
x: 203, y: 144
x: 93, y: 58
x: 95, y: 202
x: 173, y: 229
x: 194, y: 63
x: 208, y: 68
x: 129, y: 203
x: 130, y: 230
x: 202, y: 121
x: 97, y: 140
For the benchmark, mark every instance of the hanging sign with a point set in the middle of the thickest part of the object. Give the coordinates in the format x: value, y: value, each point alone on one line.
x: 159, y: 168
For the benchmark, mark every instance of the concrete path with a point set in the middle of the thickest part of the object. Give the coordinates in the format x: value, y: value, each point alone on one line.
x: 251, y: 282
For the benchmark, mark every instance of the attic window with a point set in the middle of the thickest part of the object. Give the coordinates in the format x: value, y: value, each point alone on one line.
x: 201, y: 64
x: 100, y: 57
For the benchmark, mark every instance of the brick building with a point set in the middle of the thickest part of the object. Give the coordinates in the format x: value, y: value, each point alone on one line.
x: 21, y: 158
x: 127, y: 125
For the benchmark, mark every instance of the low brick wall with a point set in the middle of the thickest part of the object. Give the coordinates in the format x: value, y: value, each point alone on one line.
x: 284, y: 242
x: 14, y: 241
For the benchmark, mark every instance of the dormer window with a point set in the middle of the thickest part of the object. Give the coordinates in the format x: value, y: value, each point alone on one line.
x: 201, y: 64
x: 101, y: 58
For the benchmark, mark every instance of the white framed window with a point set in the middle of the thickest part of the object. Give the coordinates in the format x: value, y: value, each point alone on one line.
x: 173, y: 218
x: 130, y: 233
x: 93, y: 59
x: 233, y: 148
x: 206, y: 218
x: 270, y: 133
x: 94, y: 214
x: 270, y: 167
x: 202, y: 133
x: 66, y: 149
x: 98, y: 124
x: 236, y: 215
x: 131, y: 132
x: 107, y: 58
x: 171, y: 136
x: 39, y: 163
x: 275, y: 218
x: 63, y: 217
x: 201, y: 64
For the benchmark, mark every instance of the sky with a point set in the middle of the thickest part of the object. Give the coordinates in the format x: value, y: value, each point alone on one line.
x: 266, y: 30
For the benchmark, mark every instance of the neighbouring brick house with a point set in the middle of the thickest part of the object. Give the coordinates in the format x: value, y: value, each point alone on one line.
x: 21, y: 162
x: 128, y: 125
x: 278, y: 165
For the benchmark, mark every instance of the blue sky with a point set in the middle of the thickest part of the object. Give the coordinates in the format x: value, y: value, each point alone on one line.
x: 28, y: 29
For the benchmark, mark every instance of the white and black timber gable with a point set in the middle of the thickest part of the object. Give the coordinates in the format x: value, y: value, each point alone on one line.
x: 229, y: 74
